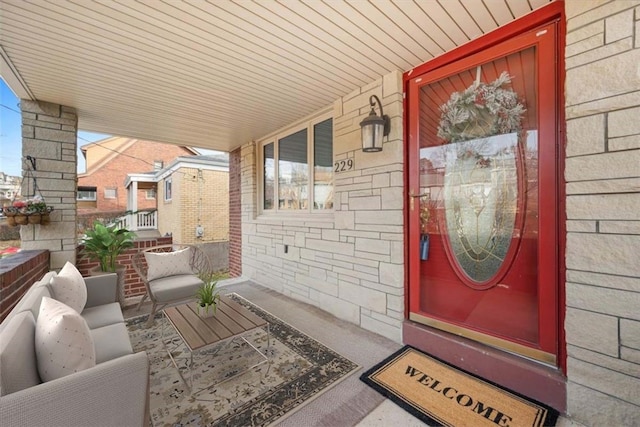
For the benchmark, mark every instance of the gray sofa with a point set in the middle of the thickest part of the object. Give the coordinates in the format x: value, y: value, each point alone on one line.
x: 112, y: 393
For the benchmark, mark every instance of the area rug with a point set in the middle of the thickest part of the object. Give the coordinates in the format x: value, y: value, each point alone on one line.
x: 442, y: 395
x: 299, y: 368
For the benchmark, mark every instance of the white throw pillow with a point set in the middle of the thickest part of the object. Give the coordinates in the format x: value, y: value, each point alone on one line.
x: 69, y: 288
x: 63, y: 341
x: 165, y: 264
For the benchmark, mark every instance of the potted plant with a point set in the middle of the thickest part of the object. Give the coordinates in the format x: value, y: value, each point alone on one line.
x: 207, y: 296
x: 104, y: 243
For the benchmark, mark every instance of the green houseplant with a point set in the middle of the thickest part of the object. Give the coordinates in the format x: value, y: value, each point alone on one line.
x: 207, y: 296
x: 104, y: 243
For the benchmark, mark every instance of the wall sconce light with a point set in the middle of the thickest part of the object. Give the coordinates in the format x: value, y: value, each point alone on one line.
x: 374, y: 127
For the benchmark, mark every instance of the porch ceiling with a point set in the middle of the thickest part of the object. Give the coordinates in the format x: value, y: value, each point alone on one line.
x: 217, y: 74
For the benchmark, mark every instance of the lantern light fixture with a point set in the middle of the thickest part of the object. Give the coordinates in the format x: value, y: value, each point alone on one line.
x: 374, y: 127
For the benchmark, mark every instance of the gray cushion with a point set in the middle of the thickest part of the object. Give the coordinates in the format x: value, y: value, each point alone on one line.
x: 31, y: 300
x: 175, y: 287
x: 102, y: 315
x: 111, y: 342
x: 18, y: 365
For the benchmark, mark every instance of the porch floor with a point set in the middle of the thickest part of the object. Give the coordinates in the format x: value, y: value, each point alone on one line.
x: 351, y: 402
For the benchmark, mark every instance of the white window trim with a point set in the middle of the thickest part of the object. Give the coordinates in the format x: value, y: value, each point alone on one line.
x: 307, y: 124
x: 95, y: 197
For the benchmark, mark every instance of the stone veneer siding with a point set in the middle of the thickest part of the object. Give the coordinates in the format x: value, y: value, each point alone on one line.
x: 351, y: 262
x: 49, y: 134
x: 603, y: 211
x: 235, y: 211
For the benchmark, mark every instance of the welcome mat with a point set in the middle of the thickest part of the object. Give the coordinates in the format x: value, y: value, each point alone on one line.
x: 440, y: 394
x: 299, y: 369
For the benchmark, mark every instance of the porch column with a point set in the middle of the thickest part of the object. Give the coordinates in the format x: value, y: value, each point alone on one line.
x: 133, y: 197
x: 235, y: 213
x: 49, y: 135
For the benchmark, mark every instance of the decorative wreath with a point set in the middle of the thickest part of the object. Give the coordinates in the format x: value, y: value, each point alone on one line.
x: 481, y: 110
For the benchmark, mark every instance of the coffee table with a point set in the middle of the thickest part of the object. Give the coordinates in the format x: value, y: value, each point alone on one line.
x: 230, y: 321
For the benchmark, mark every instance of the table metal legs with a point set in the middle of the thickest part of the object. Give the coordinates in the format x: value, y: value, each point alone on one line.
x: 189, y: 383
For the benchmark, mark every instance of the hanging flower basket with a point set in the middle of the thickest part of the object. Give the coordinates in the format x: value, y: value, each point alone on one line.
x: 34, y: 211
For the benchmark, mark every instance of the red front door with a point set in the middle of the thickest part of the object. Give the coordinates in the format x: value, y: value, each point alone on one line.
x: 483, y: 196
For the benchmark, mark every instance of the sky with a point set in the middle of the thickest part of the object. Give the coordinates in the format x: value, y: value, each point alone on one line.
x: 11, y: 135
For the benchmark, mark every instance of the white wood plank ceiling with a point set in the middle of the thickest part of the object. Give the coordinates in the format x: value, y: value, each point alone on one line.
x: 218, y: 73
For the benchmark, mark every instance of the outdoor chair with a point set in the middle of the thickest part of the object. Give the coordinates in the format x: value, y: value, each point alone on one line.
x: 171, y: 274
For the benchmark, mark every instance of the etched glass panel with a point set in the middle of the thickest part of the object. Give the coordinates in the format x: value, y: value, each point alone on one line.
x: 480, y: 199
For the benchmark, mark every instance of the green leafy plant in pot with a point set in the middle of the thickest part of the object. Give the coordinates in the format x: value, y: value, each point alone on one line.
x: 104, y: 243
x: 207, y: 296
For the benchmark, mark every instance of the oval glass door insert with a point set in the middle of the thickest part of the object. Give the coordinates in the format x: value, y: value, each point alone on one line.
x: 481, y: 205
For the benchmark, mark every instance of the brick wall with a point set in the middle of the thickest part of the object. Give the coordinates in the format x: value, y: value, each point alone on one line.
x: 203, y: 197
x: 135, y: 157
x: 133, y: 285
x: 17, y: 273
x: 349, y: 262
x: 603, y: 211
x: 49, y: 133
x: 235, y: 214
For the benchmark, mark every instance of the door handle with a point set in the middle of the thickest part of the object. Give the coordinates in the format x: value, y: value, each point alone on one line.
x: 413, y: 196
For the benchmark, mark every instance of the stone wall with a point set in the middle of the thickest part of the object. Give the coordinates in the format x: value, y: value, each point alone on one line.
x: 603, y: 211
x: 49, y: 133
x: 350, y: 262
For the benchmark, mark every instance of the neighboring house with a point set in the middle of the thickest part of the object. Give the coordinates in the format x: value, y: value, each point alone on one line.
x: 9, y: 188
x: 101, y: 188
x: 193, y: 198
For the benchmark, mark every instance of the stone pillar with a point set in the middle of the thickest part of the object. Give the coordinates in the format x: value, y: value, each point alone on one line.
x: 49, y: 134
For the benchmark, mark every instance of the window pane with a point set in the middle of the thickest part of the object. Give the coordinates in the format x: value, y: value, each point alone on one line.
x: 293, y: 172
x: 110, y: 193
x: 86, y: 195
x: 167, y: 189
x: 323, y: 165
x: 269, y: 174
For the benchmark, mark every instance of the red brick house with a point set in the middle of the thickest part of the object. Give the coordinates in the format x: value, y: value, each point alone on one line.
x: 101, y: 186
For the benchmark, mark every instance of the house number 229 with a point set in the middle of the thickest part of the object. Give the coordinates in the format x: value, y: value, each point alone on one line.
x: 343, y: 165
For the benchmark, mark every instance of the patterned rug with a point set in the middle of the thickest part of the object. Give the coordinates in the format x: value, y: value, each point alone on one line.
x: 299, y: 368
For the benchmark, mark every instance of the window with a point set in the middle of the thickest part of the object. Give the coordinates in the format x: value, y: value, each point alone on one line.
x: 150, y: 194
x: 157, y: 165
x: 110, y: 193
x: 167, y: 189
x: 86, y: 193
x: 297, y: 168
